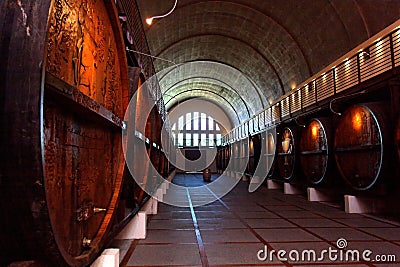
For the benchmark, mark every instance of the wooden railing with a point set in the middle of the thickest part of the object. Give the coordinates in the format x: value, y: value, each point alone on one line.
x: 375, y: 56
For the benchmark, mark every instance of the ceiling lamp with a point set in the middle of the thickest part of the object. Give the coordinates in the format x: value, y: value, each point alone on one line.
x: 149, y: 21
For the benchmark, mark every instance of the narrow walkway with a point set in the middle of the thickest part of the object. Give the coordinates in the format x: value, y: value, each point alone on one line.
x: 231, y: 231
x: 191, y: 179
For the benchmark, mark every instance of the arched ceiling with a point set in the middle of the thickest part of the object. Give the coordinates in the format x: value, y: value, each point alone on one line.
x: 228, y: 87
x: 242, y: 54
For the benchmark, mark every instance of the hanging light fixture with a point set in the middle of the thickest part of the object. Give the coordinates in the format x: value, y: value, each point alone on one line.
x: 149, y: 21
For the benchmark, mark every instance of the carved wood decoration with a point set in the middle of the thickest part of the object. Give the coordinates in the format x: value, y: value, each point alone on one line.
x: 85, y: 97
x: 82, y: 51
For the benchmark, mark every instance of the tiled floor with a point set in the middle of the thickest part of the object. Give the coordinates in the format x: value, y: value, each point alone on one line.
x: 233, y: 230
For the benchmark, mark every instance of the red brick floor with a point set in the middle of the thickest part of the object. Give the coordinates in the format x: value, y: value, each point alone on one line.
x: 232, y: 230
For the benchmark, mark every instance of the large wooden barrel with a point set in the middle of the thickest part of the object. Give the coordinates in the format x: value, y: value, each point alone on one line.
x: 287, y: 158
x: 227, y: 156
x: 239, y: 156
x: 243, y: 155
x: 269, y: 137
x: 64, y: 90
x: 207, y: 175
x: 315, y: 151
x: 219, y: 158
x: 225, y: 152
x: 254, y: 153
x: 235, y: 156
x: 361, y: 146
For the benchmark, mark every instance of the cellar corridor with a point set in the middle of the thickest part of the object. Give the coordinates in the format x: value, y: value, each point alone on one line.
x: 199, y: 133
x: 232, y: 230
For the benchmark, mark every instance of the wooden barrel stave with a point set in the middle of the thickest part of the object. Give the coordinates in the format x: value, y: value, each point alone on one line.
x: 21, y: 172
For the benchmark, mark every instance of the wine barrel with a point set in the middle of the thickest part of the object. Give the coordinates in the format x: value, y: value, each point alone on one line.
x: 315, y: 151
x: 234, y: 156
x: 207, y: 175
x: 269, y: 137
x: 219, y: 157
x: 287, y: 154
x: 361, y: 146
x: 254, y: 153
x: 243, y: 156
x: 65, y: 88
x: 227, y: 156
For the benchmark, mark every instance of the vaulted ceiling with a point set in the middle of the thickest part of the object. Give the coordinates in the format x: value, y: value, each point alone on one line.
x: 243, y: 54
